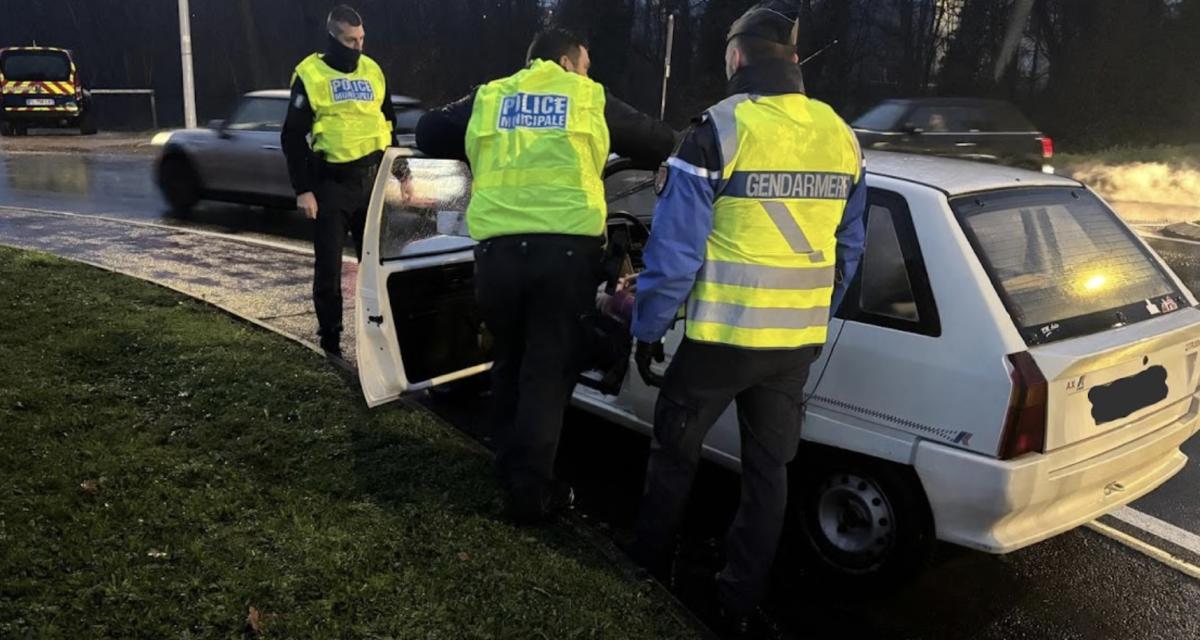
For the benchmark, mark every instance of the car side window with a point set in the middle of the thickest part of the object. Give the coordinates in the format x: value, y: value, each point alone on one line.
x: 891, y: 288
x: 259, y: 114
x: 886, y: 289
x: 948, y: 119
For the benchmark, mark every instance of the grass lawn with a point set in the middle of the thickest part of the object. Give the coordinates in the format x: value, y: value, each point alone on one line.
x: 166, y: 469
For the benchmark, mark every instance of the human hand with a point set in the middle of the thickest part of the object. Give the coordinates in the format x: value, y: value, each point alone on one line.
x: 643, y: 355
x: 307, y: 204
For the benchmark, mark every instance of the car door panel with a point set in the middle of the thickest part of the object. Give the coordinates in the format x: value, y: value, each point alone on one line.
x: 870, y: 398
x: 415, y: 313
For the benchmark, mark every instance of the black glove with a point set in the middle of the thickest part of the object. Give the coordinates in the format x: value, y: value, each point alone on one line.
x: 646, y: 353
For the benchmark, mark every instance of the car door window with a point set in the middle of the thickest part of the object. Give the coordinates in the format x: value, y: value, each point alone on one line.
x: 947, y: 119
x: 258, y: 114
x: 891, y: 288
x: 886, y: 288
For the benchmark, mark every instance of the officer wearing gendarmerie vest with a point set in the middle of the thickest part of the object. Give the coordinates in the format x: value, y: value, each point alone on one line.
x: 757, y: 230
x: 341, y: 99
x: 537, y: 142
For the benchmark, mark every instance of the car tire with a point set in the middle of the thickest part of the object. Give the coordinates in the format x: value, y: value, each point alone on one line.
x: 179, y: 182
x: 861, y: 522
x: 87, y: 123
x: 6, y: 129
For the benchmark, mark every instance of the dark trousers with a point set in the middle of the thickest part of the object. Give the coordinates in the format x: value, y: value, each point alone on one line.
x: 342, y: 199
x: 533, y: 292
x: 768, y: 387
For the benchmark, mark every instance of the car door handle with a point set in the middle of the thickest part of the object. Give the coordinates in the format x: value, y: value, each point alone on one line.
x: 271, y: 147
x: 966, y: 144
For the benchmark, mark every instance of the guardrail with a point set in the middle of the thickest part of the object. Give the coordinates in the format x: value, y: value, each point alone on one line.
x: 133, y: 92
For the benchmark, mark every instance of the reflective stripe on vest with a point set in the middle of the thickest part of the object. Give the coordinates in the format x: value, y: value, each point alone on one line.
x: 788, y: 166
x: 537, y: 143
x: 348, y: 121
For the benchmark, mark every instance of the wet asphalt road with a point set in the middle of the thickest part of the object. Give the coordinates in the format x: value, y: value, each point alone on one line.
x: 122, y: 186
x: 1079, y: 585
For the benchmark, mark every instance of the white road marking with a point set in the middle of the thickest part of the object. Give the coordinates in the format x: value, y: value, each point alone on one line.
x: 166, y: 227
x: 1179, y: 537
x: 1158, y: 237
x: 1146, y: 548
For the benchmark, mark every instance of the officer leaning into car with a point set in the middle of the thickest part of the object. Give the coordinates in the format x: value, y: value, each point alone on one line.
x: 341, y: 99
x: 758, y: 229
x: 537, y: 142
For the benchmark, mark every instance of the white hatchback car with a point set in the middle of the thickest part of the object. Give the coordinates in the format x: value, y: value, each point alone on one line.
x: 1011, y: 360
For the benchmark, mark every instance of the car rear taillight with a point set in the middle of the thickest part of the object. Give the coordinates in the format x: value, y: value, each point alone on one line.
x: 1025, y: 425
x: 1047, y: 147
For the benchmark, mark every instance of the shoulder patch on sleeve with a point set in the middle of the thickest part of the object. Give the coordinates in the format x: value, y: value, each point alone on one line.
x: 660, y: 179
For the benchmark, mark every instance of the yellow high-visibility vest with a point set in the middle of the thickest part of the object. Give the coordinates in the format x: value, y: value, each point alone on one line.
x: 537, y: 143
x: 348, y: 121
x: 788, y: 166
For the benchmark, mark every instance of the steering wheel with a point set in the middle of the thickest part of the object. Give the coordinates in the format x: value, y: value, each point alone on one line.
x: 629, y: 217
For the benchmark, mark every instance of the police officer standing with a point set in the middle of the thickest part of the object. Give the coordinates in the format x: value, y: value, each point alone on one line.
x: 537, y: 142
x: 758, y: 221
x: 341, y: 99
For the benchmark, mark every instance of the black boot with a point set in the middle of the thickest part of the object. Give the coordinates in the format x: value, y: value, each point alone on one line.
x: 331, y: 344
x: 753, y: 625
x: 662, y: 567
x: 532, y: 510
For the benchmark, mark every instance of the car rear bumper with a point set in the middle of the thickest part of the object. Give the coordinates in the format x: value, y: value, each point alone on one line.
x: 1001, y: 506
x: 44, y: 114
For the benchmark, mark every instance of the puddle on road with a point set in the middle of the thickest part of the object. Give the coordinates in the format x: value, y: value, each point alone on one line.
x: 56, y: 173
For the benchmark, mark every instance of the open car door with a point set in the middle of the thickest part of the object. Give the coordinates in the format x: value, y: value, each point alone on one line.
x: 415, y: 316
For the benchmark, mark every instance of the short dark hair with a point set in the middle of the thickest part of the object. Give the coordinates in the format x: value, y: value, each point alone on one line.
x: 755, y: 50
x: 552, y: 44
x: 343, y: 14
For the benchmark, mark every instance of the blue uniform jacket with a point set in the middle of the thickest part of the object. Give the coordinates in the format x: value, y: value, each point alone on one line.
x: 683, y: 217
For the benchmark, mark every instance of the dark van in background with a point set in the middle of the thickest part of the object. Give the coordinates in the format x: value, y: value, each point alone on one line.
x: 966, y: 128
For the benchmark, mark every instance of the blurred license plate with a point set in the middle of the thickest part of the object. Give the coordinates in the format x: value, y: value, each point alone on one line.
x: 40, y: 102
x: 1122, y: 398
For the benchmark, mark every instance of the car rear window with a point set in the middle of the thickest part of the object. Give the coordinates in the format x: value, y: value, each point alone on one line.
x: 1063, y: 263
x: 21, y: 66
x: 883, y: 117
x: 1005, y: 117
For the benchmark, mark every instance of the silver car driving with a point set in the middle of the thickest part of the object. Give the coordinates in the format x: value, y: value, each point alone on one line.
x: 239, y: 159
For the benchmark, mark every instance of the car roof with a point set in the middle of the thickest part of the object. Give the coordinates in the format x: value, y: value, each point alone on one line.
x: 53, y: 49
x: 957, y: 177
x: 284, y: 94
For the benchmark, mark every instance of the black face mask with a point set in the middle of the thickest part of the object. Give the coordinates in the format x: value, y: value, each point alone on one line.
x: 339, y: 56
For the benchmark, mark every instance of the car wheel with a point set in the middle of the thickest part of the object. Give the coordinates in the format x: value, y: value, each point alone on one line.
x: 179, y: 183
x: 87, y: 123
x: 5, y: 128
x: 862, y: 521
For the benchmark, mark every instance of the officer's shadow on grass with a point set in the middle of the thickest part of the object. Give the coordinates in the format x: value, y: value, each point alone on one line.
x: 413, y: 463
